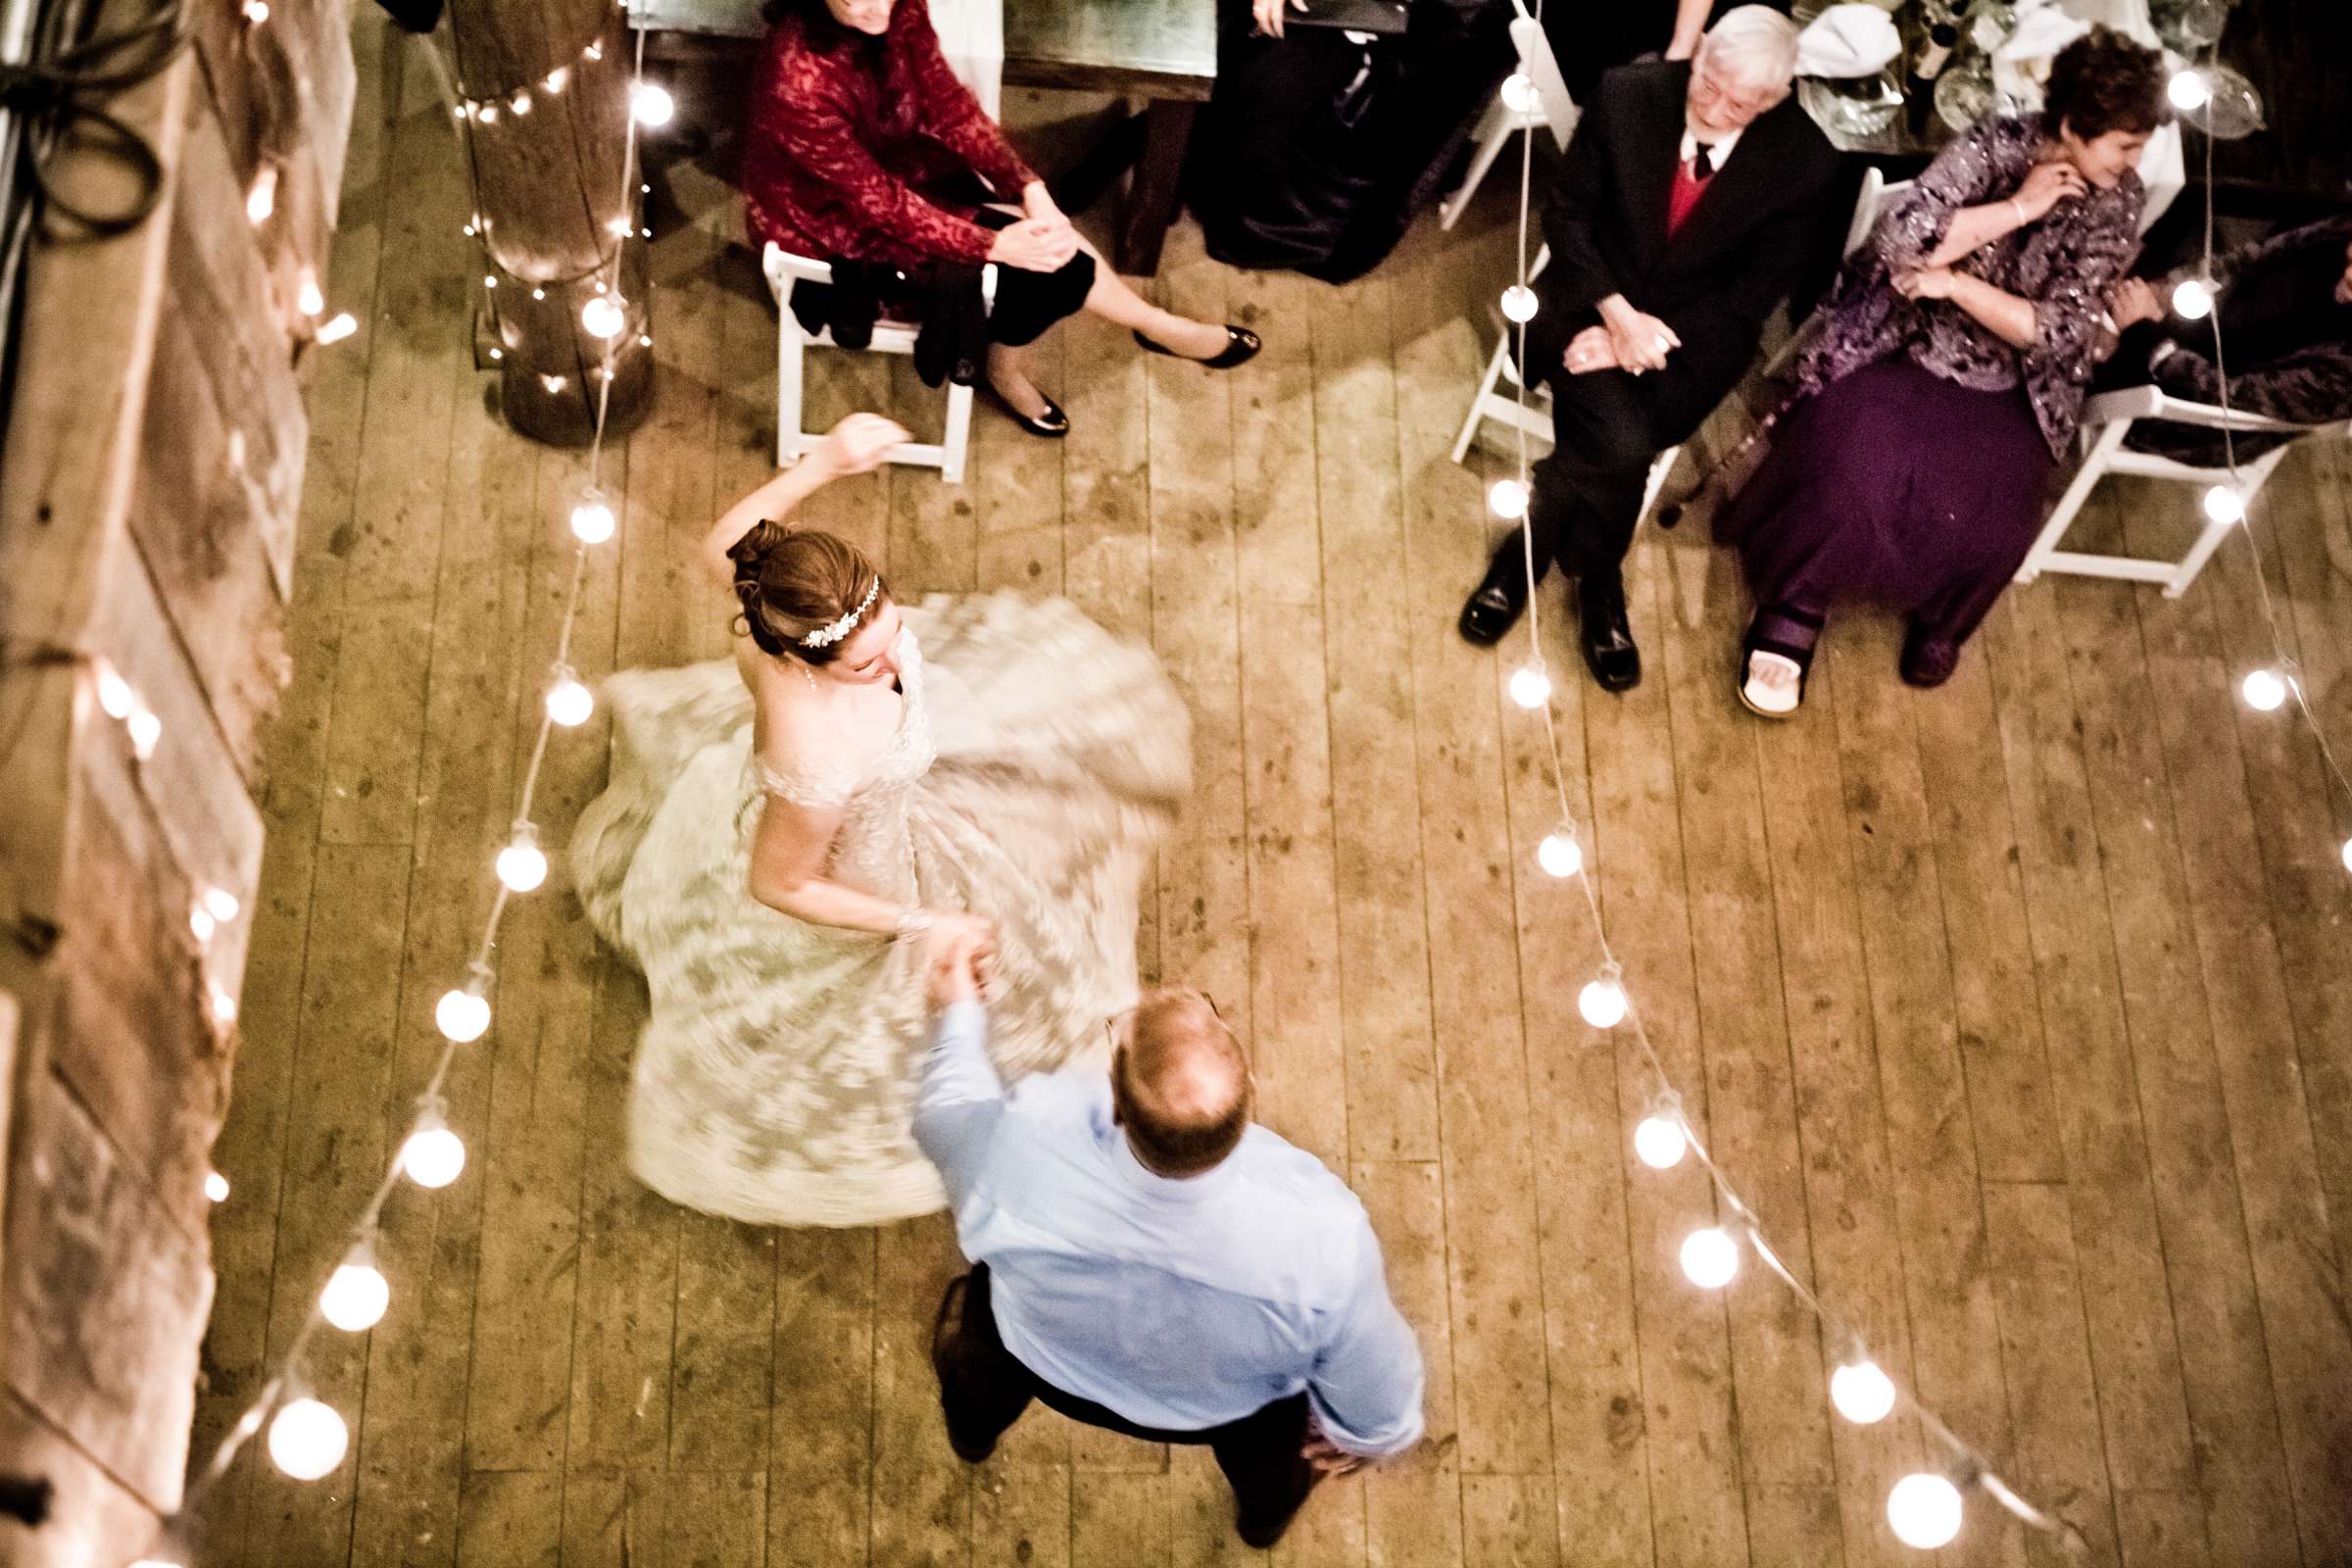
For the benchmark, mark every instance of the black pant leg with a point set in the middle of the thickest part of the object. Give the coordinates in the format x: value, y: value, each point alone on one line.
x: 1261, y: 1455
x: 983, y: 1389
x: 1587, y: 491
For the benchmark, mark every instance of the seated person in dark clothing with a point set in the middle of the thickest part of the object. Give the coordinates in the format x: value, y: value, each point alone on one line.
x: 2284, y: 307
x: 863, y: 147
x: 1686, y: 206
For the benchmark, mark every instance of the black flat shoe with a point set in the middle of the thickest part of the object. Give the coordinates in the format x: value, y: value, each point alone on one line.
x: 1494, y: 605
x: 1605, y: 635
x: 1052, y: 426
x: 1928, y: 661
x: 1240, y: 344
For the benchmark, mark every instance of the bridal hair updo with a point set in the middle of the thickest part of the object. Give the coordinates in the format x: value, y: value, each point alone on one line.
x: 792, y: 581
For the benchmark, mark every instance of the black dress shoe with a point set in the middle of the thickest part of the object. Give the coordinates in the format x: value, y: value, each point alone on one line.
x: 1053, y: 424
x: 1605, y: 634
x: 1492, y: 608
x: 1240, y: 344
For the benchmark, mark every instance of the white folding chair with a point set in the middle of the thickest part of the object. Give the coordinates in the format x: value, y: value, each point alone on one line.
x: 785, y: 271
x: 1876, y: 193
x: 1552, y: 109
x: 2106, y: 419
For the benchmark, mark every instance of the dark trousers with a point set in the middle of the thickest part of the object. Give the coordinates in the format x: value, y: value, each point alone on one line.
x: 984, y: 1388
x: 1607, y: 429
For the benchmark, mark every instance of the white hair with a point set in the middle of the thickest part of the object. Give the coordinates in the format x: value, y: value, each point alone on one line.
x: 1753, y: 45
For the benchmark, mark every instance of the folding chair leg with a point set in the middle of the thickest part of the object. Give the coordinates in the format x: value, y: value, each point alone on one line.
x: 1493, y: 131
x: 1478, y: 404
x: 1660, y: 468
x: 790, y: 352
x: 2077, y: 490
x: 957, y: 438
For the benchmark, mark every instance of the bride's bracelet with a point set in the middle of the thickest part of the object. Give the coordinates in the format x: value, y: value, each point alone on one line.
x: 913, y: 921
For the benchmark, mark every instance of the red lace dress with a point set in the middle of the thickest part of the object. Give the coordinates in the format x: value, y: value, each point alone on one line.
x: 858, y: 143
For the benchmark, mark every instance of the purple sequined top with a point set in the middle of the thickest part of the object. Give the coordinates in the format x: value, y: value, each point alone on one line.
x: 2063, y: 264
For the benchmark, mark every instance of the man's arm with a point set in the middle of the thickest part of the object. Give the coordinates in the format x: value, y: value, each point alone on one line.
x: 1365, y: 1390
x: 961, y: 1099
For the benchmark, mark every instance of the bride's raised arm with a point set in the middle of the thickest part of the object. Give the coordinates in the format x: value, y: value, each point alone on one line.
x: 857, y: 445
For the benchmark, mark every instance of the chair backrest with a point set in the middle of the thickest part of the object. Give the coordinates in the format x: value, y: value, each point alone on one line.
x: 1878, y: 192
x: 1539, y: 66
x: 784, y: 269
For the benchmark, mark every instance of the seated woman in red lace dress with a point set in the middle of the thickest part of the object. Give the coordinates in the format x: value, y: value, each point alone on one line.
x: 863, y: 147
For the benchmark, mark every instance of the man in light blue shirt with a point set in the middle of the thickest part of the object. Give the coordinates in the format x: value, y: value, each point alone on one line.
x: 1148, y: 1259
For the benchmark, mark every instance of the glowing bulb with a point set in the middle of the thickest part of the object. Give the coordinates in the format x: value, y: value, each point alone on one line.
x: 619, y: 225
x: 569, y: 703
x: 591, y: 519
x: 488, y: 114
x: 215, y: 1187
x: 602, y: 317
x: 433, y: 1157
x: 1710, y: 1257
x: 463, y: 1014
x: 2224, y: 504
x: 1602, y: 1002
x: 652, y: 105
x: 1559, y: 855
x: 256, y: 12
x: 496, y: 353
x: 2348, y: 855
x: 355, y: 1296
x: 222, y: 903
x: 307, y: 297
x: 1924, y: 1509
x: 521, y: 103
x: 2189, y: 92
x: 307, y: 1439
x: 523, y: 865
x: 538, y: 293
x: 594, y: 49
x: 489, y: 282
x: 1861, y: 1392
x: 262, y: 199
x: 340, y: 327
x: 224, y: 1006
x: 1507, y: 499
x: 2192, y: 299
x: 145, y: 730
x: 201, y: 922
x: 2264, y: 691
x: 554, y: 80
x: 1658, y: 1140
x: 553, y: 383
x: 645, y: 340
x: 1530, y: 686
x: 1519, y: 94
x: 1519, y: 302
x: 114, y: 696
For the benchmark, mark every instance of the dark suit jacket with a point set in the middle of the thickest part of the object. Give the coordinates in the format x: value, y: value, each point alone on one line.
x: 1734, y: 257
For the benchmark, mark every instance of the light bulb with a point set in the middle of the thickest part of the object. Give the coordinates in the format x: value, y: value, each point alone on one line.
x: 652, y: 104
x: 308, y: 1439
x: 645, y: 340
x: 1559, y: 855
x: 1710, y: 1257
x: 602, y: 317
x: 261, y: 198
x: 569, y: 703
x: 215, y: 1187
x: 1602, y: 1002
x: 1925, y: 1509
x: 2224, y: 504
x: 201, y: 924
x: 488, y: 114
x: 2348, y: 855
x: 1530, y: 686
x: 307, y: 297
x: 1519, y: 302
x: 145, y: 730
x: 554, y: 80
x: 538, y: 293
x: 256, y: 12
x: 521, y: 103
x: 594, y: 49
x: 523, y: 865
x: 591, y: 519
x: 1519, y: 94
x: 2192, y: 299
x: 1658, y: 1140
x: 1507, y: 499
x: 464, y: 1014
x: 355, y: 1296
x: 2188, y: 90
x: 224, y: 1006
x: 496, y: 353
x: 553, y: 383
x: 619, y: 225
x: 1861, y: 1392
x: 340, y: 327
x: 115, y: 699
x: 433, y: 1155
x: 2264, y: 691
x: 222, y: 903
x: 489, y: 280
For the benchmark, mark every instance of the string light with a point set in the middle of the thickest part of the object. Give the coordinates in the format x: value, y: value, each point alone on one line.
x: 1924, y: 1511
x: 538, y: 293
x: 2348, y: 855
x: 1559, y: 855
x: 224, y: 1005
x: 1507, y: 499
x: 433, y: 1157
x: 652, y: 105
x: 222, y: 903
x: 308, y: 297
x: 1602, y: 1001
x: 2264, y: 691
x: 1519, y: 302
x: 261, y: 198
x: 2223, y: 504
x: 115, y: 699
x: 522, y: 865
x: 487, y: 114
x: 201, y: 922
x: 602, y: 317
x: 256, y: 12
x: 2192, y: 299
x: 463, y: 1014
x: 215, y: 1187
x: 645, y: 340
x: 489, y: 282
x: 521, y: 103
x: 1862, y: 1393
x: 1530, y: 686
x: 307, y: 1439
x: 1519, y: 94
x: 342, y: 326
x: 1710, y: 1257
x: 357, y: 1293
x: 554, y: 80
x: 1658, y: 1140
x: 2188, y: 90
x: 569, y: 703
x: 145, y: 730
x: 553, y: 384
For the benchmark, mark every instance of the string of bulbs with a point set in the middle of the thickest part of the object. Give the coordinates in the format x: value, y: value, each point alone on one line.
x: 307, y: 1438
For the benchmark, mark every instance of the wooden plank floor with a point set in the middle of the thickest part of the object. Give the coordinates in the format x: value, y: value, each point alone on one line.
x: 2022, y: 1009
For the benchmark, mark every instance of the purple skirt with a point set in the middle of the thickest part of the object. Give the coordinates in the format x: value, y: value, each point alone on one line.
x: 1897, y: 486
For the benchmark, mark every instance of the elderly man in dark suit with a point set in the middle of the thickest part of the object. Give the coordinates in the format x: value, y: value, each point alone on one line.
x: 1684, y: 211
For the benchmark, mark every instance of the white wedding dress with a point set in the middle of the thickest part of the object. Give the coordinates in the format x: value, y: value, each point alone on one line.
x: 1036, y: 760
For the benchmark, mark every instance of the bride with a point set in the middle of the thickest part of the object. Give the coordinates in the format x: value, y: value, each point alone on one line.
x: 785, y: 841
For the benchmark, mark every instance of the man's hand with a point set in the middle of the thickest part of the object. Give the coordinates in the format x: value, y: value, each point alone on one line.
x: 1327, y: 1457
x: 1640, y: 340
x: 1589, y: 351
x: 959, y: 954
x: 1269, y: 15
x: 1927, y: 283
x: 860, y: 443
x: 1036, y: 245
x: 2132, y: 300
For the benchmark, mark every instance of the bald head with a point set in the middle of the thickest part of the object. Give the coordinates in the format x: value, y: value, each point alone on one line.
x: 1180, y: 1083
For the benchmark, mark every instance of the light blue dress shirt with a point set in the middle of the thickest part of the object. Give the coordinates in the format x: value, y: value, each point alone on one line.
x: 1180, y: 1304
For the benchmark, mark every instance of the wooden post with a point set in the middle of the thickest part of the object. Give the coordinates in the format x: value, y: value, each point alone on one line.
x: 556, y: 204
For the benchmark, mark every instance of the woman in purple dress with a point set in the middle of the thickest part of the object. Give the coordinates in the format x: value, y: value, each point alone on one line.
x: 1928, y: 416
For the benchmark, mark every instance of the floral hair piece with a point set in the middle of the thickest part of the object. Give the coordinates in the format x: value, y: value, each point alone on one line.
x: 835, y: 632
